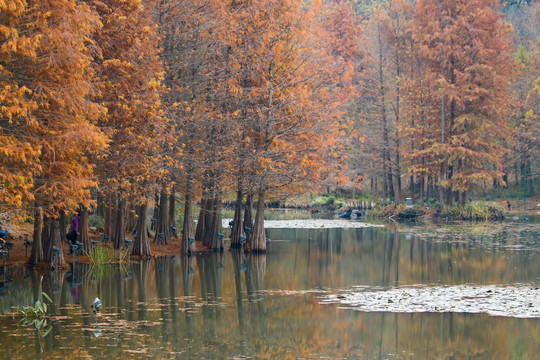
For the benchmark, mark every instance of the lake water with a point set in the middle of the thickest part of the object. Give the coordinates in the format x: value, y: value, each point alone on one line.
x: 232, y: 306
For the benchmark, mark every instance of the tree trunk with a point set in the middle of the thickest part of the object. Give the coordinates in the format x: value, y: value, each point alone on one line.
x: 55, y: 240
x: 119, y: 227
x: 441, y: 188
x: 109, y: 215
x: 62, y: 222
x: 397, y: 180
x: 412, y: 187
x: 505, y: 178
x: 258, y: 237
x: 248, y: 213
x: 214, y: 225
x: 83, y: 229
x: 385, y: 179
x: 201, y: 223
x: 99, y: 206
x: 131, y: 221
x: 36, y: 256
x: 237, y: 226
x: 46, y: 237
x: 516, y: 172
x: 172, y: 214
x: 530, y: 181
x: 162, y: 220
x: 141, y: 246
x: 387, y: 167
x: 422, y: 184
x: 155, y: 213
x: 208, y: 218
x: 188, y: 228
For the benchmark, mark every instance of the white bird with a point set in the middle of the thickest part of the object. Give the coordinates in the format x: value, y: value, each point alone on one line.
x: 96, y: 305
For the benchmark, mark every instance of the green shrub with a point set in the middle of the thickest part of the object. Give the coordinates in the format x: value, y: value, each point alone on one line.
x: 324, y: 201
x: 97, y: 222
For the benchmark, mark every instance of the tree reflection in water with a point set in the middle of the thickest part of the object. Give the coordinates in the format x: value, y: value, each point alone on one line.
x: 188, y: 271
x: 256, y: 313
x: 219, y: 305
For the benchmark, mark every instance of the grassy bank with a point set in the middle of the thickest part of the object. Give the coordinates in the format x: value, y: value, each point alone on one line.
x: 474, y: 211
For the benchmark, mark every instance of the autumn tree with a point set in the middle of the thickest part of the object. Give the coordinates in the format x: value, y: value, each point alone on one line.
x: 194, y: 51
x: 465, y: 47
x: 46, y: 57
x: 293, y: 105
x: 129, y: 75
x: 376, y: 91
x: 524, y: 119
x: 340, y: 32
x: 19, y: 157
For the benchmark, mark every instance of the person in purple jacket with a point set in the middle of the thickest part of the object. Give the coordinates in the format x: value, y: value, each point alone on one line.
x: 73, y: 231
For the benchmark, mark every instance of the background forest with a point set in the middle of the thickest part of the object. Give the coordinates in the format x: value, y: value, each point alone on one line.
x: 122, y: 102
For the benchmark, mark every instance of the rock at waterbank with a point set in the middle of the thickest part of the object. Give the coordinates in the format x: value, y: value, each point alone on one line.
x: 350, y: 214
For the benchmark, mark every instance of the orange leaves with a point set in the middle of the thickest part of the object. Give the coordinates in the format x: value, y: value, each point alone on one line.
x: 130, y: 90
x: 465, y: 48
x: 46, y: 86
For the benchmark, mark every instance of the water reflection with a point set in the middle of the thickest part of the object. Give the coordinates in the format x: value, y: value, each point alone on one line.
x: 219, y: 305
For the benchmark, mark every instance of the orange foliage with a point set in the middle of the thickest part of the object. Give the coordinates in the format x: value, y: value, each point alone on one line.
x: 465, y: 46
x: 47, y: 126
x: 129, y: 76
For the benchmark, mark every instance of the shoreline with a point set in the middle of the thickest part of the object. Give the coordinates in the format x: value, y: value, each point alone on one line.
x: 19, y: 255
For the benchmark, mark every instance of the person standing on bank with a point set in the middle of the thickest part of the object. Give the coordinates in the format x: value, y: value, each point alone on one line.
x: 73, y: 231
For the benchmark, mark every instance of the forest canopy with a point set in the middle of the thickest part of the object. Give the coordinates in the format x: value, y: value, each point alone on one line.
x: 116, y: 103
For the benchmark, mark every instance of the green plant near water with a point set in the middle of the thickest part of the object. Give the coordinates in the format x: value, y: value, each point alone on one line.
x: 35, y: 314
x: 481, y: 210
x: 101, y: 255
x: 328, y: 201
x: 102, y: 259
x: 38, y: 310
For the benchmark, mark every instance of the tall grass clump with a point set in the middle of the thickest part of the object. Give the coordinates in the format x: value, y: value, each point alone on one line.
x: 101, y: 255
x: 481, y: 210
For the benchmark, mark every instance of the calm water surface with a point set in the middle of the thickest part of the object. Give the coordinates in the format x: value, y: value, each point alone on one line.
x: 232, y: 306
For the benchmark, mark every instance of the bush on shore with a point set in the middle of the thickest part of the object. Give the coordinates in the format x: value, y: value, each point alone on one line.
x: 482, y: 210
x: 477, y: 211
